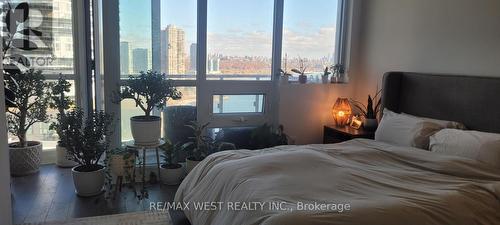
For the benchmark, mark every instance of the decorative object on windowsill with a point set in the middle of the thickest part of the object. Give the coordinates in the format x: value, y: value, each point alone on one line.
x: 324, y: 77
x: 16, y: 36
x: 32, y: 102
x: 149, y: 90
x: 338, y: 75
x: 341, y: 111
x: 370, y: 112
x: 60, y: 102
x: 266, y: 136
x: 171, y: 171
x: 301, y: 71
x: 86, y: 142
x: 356, y: 122
x: 201, y: 145
x: 284, y: 77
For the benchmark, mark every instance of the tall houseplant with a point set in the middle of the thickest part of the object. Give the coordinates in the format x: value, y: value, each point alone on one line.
x: 32, y: 101
x: 149, y: 90
x: 171, y: 171
x: 85, y: 140
x: 201, y: 145
x: 61, y: 102
x: 369, y: 112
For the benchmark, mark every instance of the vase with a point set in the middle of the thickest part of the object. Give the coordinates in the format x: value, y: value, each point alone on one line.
x: 302, y: 79
x: 88, y: 180
x: 146, y: 130
x: 370, y: 124
x: 324, y: 79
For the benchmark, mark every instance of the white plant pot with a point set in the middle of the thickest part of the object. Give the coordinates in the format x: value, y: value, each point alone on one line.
x: 119, y: 166
x: 62, y: 158
x: 190, y: 164
x: 171, y: 176
x: 88, y: 183
x: 146, y: 131
x: 25, y: 160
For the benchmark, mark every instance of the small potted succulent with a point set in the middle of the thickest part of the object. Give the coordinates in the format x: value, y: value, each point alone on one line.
x: 32, y: 95
x: 171, y: 171
x: 301, y: 71
x: 61, y: 103
x: 369, y: 112
x: 201, y: 145
x: 86, y: 141
x: 149, y: 90
x: 324, y: 77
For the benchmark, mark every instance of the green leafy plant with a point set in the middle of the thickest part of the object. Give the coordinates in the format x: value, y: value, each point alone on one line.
x: 302, y: 68
x: 32, y: 102
x: 149, y: 90
x: 128, y: 155
x: 170, y: 154
x: 85, y: 136
x: 266, y: 136
x: 202, y: 145
x: 16, y: 36
x: 60, y: 102
x: 326, y: 72
x: 372, y: 108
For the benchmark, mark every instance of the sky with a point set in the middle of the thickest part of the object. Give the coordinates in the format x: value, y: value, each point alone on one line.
x: 239, y: 27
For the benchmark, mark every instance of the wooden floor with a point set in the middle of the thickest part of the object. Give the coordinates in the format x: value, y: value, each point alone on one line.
x: 50, y: 196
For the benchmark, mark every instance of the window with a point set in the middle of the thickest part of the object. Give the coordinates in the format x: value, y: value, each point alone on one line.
x: 238, y: 104
x: 178, y: 39
x: 309, y: 36
x: 239, y: 39
x: 54, y: 55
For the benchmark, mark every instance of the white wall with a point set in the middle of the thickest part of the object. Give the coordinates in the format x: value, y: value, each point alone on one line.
x: 304, y: 109
x: 438, y: 36
x: 5, y: 202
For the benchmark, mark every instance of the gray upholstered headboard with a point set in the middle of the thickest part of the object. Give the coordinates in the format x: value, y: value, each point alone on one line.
x: 472, y: 100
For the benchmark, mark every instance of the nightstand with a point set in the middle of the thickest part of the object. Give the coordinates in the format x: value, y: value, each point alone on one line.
x: 335, y: 134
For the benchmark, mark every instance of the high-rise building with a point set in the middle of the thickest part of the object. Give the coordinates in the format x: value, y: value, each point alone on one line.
x: 192, y: 57
x: 139, y: 60
x: 124, y: 58
x: 173, y: 56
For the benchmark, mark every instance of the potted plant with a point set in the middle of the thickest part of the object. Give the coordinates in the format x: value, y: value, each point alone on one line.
x: 301, y: 71
x: 201, y: 145
x: 60, y: 102
x: 338, y: 74
x: 121, y: 161
x: 266, y: 136
x: 370, y: 112
x: 149, y: 90
x: 324, y: 77
x: 32, y: 96
x: 171, y: 171
x: 284, y: 77
x: 85, y: 140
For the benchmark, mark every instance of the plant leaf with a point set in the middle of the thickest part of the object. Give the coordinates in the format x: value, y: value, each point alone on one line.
x: 24, y: 44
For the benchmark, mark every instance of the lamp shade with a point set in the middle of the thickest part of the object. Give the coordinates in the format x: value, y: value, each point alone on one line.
x: 341, y: 111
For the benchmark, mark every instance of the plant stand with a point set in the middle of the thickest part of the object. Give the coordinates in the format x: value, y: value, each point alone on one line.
x: 142, y: 164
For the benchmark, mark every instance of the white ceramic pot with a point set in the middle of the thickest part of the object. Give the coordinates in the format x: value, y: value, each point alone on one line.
x: 62, y: 158
x: 120, y: 166
x: 370, y: 124
x: 171, y: 175
x: 88, y: 182
x: 146, y: 131
x: 190, y: 164
x: 25, y: 160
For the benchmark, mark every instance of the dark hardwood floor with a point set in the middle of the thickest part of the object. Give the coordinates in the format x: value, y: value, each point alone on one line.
x: 50, y: 196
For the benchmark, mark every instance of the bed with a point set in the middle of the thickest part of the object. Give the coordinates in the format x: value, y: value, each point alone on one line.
x: 360, y: 181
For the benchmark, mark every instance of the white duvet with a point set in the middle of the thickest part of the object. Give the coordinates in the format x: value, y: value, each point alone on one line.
x: 355, y: 182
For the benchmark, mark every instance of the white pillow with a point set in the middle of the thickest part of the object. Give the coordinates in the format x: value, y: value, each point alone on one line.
x: 481, y: 146
x: 406, y: 130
